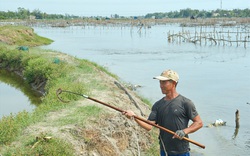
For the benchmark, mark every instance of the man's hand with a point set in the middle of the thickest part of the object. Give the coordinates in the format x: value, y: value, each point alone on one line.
x: 180, y: 134
x: 129, y: 114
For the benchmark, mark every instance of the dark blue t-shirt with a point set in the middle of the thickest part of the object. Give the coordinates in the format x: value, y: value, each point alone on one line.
x: 173, y: 115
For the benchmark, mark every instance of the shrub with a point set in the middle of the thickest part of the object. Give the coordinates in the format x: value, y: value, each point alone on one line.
x: 11, y: 126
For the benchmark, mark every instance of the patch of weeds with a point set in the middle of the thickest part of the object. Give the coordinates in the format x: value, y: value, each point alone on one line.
x: 10, y: 58
x: 96, y: 85
x: 85, y: 64
x: 12, y: 125
x: 81, y: 115
x: 43, y: 144
x: 94, y: 141
x: 146, y: 101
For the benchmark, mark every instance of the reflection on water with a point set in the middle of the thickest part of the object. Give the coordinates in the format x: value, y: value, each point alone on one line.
x: 15, y: 94
x: 236, y: 131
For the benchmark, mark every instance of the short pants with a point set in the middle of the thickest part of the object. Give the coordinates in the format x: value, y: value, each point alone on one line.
x: 183, y: 154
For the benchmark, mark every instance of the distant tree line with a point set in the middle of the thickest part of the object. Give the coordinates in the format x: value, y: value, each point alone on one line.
x: 22, y: 13
x: 185, y: 13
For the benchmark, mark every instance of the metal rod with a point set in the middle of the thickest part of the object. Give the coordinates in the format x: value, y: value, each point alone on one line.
x: 59, y: 91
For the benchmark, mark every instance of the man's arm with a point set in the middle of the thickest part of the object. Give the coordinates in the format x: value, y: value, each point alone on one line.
x: 129, y: 114
x: 197, y: 124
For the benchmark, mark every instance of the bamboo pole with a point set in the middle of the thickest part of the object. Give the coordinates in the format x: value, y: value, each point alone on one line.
x: 237, y: 119
x: 200, y: 34
x: 245, y: 42
x: 237, y: 36
x: 59, y: 91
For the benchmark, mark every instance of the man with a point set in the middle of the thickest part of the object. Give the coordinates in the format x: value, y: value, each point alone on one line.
x: 173, y: 112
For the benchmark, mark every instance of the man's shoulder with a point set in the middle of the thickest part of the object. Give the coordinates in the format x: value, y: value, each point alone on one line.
x: 183, y: 98
x: 186, y: 102
x: 159, y: 102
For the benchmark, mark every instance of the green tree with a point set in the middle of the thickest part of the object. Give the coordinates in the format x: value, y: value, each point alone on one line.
x: 23, y: 13
x: 37, y: 13
x: 185, y: 13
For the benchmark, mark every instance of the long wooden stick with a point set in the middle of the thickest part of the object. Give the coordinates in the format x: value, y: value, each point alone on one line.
x: 59, y: 91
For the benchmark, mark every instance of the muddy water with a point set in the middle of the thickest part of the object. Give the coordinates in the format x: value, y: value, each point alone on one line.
x: 16, y: 95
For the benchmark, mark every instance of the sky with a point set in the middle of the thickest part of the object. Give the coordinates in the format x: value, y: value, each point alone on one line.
x: 119, y: 7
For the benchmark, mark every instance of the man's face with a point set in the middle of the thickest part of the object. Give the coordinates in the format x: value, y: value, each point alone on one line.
x: 166, y: 86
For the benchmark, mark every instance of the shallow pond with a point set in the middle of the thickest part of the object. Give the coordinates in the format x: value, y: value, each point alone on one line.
x: 16, y: 95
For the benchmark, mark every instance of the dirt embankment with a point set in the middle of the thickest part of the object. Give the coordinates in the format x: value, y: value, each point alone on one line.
x: 111, y: 134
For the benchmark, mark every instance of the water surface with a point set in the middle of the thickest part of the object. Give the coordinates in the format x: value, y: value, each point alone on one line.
x: 15, y: 94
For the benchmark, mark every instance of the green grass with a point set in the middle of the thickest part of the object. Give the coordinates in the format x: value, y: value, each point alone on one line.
x: 21, y: 35
x: 12, y: 125
x: 39, y: 145
x: 146, y: 101
x: 80, y: 116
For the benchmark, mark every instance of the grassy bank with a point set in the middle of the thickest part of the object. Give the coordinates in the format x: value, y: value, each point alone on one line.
x: 75, y: 128
x: 20, y: 35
